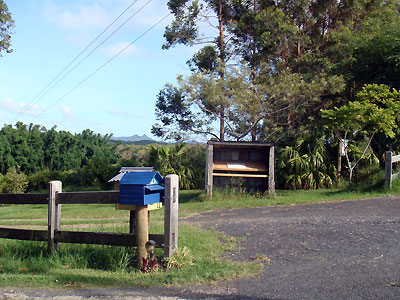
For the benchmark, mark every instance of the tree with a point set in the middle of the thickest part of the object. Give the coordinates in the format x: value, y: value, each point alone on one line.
x: 6, y: 27
x: 260, y: 109
x: 184, y: 29
x: 367, y: 51
x: 375, y: 110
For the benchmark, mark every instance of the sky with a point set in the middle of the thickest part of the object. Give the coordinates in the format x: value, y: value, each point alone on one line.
x: 120, y: 97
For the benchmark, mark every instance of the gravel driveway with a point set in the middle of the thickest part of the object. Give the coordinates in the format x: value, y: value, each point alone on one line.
x: 344, y: 250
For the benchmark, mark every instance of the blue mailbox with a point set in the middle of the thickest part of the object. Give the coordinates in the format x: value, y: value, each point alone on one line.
x: 141, y: 188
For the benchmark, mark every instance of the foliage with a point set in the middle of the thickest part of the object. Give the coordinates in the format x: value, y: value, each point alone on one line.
x: 375, y: 110
x: 254, y: 109
x: 182, y: 257
x: 6, y: 27
x: 34, y: 148
x: 366, y: 51
x: 178, y: 159
x: 306, y: 171
x: 13, y: 182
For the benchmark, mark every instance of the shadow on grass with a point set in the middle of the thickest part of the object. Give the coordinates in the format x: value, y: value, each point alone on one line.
x: 190, y: 196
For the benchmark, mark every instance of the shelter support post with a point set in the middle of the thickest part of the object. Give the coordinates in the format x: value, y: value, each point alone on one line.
x: 171, y: 215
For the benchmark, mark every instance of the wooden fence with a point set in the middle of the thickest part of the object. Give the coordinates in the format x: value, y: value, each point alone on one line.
x: 389, y: 160
x: 56, y: 198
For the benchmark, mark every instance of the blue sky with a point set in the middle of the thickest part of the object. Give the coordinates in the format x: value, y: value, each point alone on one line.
x: 120, y: 98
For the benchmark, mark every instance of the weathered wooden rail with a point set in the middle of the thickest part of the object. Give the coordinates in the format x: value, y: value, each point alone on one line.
x: 56, y: 198
x: 389, y: 160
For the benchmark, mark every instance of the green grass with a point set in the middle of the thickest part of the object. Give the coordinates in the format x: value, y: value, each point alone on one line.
x: 27, y: 264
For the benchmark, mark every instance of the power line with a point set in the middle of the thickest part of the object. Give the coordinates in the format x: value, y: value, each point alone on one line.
x: 99, y: 68
x: 42, y: 92
x: 91, y: 52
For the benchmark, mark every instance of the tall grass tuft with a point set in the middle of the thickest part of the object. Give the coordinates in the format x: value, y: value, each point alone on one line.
x: 32, y: 257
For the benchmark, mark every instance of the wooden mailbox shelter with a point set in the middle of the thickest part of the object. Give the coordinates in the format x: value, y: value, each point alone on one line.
x: 248, y: 165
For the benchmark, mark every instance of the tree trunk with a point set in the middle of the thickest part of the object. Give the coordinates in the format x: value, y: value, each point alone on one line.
x: 222, y: 124
x: 351, y: 175
x: 221, y: 73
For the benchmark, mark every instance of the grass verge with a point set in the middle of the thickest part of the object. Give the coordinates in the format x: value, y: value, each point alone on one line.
x: 27, y: 264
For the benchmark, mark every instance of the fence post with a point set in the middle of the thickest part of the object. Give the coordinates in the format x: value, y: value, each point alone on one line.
x: 171, y: 215
x: 388, y: 169
x: 53, y: 214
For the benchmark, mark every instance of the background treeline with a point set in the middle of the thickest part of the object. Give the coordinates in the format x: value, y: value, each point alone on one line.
x: 87, y: 161
x: 31, y: 156
x: 37, y: 155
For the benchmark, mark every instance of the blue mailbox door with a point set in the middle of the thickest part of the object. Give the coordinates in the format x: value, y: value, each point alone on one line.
x: 141, y: 188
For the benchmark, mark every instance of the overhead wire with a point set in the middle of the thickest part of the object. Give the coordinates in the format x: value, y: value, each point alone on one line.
x: 46, y: 89
x: 99, y: 68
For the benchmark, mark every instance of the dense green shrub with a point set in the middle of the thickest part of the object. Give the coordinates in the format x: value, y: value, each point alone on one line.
x: 13, y: 181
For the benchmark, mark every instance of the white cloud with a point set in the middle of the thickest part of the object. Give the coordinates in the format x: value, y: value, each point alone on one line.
x: 22, y: 108
x: 67, y: 113
x: 115, y: 48
x: 98, y: 14
x: 77, y: 16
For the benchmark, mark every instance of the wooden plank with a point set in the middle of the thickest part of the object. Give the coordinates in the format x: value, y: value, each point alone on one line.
x: 240, y: 175
x: 23, y: 234
x: 395, y: 158
x: 171, y: 214
x: 104, y: 238
x: 252, y: 145
x: 24, y: 198
x: 271, y: 171
x: 209, y: 169
x: 249, y: 166
x: 388, y: 169
x: 150, y: 207
x: 107, y: 197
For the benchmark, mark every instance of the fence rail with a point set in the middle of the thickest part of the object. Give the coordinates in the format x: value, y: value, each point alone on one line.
x: 87, y: 197
x: 24, y: 199
x: 55, y: 198
x: 23, y: 234
x: 389, y: 161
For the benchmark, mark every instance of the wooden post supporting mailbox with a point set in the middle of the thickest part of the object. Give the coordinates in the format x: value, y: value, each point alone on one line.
x: 142, y: 234
x: 171, y: 215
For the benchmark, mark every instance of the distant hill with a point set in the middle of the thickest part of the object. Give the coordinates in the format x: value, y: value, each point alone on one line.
x: 133, y: 138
